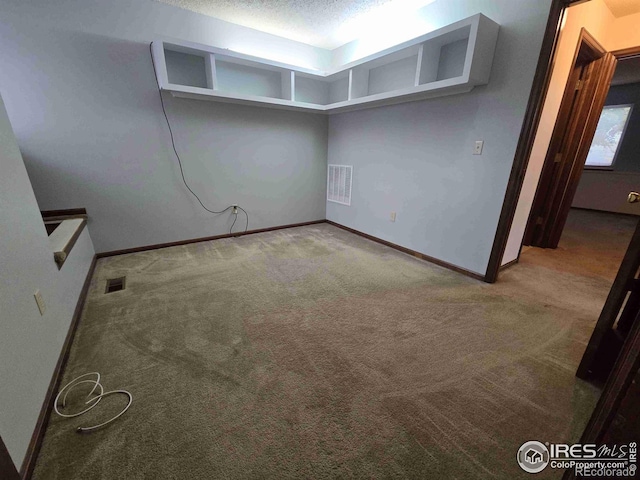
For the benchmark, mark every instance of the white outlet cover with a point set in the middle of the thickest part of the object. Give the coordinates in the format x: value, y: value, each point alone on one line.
x: 393, y: 216
x: 477, y: 150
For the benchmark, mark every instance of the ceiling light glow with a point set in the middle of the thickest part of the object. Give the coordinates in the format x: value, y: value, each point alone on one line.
x: 267, y: 52
x: 391, y: 23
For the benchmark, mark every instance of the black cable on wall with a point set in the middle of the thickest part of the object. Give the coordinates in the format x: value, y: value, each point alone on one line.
x: 173, y: 144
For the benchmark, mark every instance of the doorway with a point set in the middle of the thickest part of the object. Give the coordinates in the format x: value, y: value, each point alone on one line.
x: 612, y: 357
x: 618, y: 392
x: 583, y: 116
x: 583, y: 101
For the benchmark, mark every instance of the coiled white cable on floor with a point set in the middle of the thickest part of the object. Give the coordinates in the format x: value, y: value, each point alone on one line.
x: 93, y: 400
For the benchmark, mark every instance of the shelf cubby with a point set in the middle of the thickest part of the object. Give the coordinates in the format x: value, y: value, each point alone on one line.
x: 451, y: 60
x: 358, y: 82
x: 321, y: 91
x: 186, y: 69
x: 443, y: 58
x: 235, y: 78
x: 397, y: 75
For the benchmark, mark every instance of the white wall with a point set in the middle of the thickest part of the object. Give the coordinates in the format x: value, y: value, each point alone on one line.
x: 78, y: 83
x: 623, y: 33
x: 613, y: 34
x: 416, y: 159
x: 29, y: 343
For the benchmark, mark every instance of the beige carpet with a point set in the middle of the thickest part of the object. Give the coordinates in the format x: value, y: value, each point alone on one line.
x: 314, y: 353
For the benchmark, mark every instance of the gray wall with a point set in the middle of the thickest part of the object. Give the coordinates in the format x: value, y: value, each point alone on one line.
x: 607, y: 191
x: 416, y: 159
x: 79, y: 86
x: 29, y: 343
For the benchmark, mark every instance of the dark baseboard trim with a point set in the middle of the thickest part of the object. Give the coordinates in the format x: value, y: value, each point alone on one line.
x: 29, y: 462
x: 202, y: 239
x: 510, y: 264
x: 70, y: 212
x: 419, y: 255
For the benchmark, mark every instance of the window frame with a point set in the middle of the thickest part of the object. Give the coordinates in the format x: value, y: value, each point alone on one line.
x: 624, y: 132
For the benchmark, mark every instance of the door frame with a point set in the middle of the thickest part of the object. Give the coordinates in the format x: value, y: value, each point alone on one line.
x: 537, y: 97
x: 527, y: 135
x: 584, y: 97
x: 628, y: 361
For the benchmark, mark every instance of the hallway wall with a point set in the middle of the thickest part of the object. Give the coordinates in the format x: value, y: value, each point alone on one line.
x: 30, y: 343
x: 613, y: 33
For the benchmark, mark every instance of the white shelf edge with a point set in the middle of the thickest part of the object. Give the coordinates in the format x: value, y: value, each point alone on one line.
x: 429, y: 87
x: 344, y: 107
x: 448, y: 86
x: 472, y: 75
x: 182, y: 91
x: 198, y: 49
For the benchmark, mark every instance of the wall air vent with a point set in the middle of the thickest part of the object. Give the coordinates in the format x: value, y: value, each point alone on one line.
x: 339, y: 180
x: 115, y: 284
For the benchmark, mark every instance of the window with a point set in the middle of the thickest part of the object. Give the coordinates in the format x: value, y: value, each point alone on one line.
x: 606, y: 142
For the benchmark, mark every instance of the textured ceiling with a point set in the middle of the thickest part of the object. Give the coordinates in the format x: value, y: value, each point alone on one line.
x: 322, y: 23
x: 621, y: 8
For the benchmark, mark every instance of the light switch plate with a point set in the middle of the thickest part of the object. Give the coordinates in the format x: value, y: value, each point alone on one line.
x: 392, y: 217
x: 41, y: 306
x: 477, y: 150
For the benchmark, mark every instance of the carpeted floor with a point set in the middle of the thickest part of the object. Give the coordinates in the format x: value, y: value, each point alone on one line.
x: 313, y: 353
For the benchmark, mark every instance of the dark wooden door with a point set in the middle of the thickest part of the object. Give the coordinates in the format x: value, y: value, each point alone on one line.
x: 576, y: 124
x: 616, y: 418
x: 617, y: 318
x: 7, y: 468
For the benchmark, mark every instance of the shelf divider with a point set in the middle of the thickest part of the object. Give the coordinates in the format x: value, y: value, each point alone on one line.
x: 358, y: 83
x: 428, y: 59
x: 288, y: 85
x: 157, y: 54
x: 210, y: 65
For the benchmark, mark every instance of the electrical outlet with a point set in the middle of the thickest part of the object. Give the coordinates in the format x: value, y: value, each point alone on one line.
x: 393, y: 216
x: 40, y: 302
x: 477, y: 150
x: 234, y: 210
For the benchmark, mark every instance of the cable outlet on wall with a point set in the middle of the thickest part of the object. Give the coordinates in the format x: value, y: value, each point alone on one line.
x: 234, y: 210
x: 477, y: 149
x: 392, y: 217
x: 40, y: 302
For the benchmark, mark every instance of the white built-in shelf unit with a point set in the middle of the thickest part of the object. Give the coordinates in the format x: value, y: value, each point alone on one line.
x: 450, y: 60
